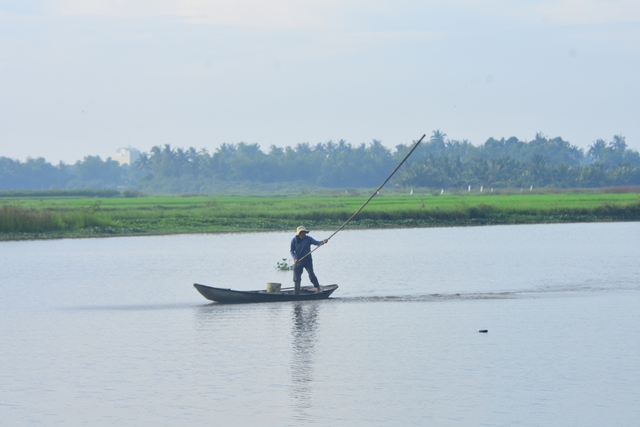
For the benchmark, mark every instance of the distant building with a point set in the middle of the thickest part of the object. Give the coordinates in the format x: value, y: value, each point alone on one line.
x: 126, y: 156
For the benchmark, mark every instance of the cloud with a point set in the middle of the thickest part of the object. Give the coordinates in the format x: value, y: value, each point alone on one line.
x: 319, y: 14
x: 581, y: 12
x: 247, y: 13
x: 567, y: 12
x: 383, y: 37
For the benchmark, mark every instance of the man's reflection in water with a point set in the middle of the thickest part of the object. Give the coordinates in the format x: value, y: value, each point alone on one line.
x: 304, y: 335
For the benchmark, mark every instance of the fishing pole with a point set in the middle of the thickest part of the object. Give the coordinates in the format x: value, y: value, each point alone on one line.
x: 369, y: 199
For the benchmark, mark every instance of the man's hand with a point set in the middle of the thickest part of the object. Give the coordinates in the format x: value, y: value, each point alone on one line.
x: 325, y: 241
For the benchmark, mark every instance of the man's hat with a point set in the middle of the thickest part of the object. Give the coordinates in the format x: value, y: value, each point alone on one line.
x: 300, y: 230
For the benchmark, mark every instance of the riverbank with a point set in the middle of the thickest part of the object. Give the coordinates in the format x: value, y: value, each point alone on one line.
x: 68, y: 217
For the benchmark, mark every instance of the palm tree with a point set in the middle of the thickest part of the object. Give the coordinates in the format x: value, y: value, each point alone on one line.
x: 143, y: 163
x: 222, y: 159
x: 276, y: 151
x: 377, y: 150
x: 330, y: 148
x: 303, y: 148
x: 540, y: 137
x: 565, y: 175
x: 437, y: 143
x: 597, y: 150
x: 169, y: 152
x: 480, y: 170
x: 438, y: 137
x: 183, y: 162
x: 618, y: 143
x: 539, y: 170
x: 155, y: 151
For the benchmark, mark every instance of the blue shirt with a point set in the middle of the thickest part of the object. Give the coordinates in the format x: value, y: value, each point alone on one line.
x: 301, y: 247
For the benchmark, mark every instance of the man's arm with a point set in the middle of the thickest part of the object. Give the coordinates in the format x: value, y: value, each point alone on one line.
x: 317, y: 243
x: 292, y: 251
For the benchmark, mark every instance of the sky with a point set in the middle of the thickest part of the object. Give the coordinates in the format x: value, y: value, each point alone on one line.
x: 86, y: 77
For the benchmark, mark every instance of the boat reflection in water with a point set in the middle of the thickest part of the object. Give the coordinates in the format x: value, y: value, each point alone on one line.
x: 304, y: 325
x: 284, y: 335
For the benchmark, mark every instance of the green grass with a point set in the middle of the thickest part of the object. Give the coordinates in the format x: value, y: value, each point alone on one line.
x: 51, y: 217
x: 20, y: 220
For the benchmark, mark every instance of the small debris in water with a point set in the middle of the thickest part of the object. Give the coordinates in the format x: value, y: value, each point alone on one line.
x: 483, y: 331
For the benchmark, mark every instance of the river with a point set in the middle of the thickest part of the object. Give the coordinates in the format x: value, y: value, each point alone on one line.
x: 105, y: 332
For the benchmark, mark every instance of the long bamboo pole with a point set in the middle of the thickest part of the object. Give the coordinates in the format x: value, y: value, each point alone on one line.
x: 369, y: 199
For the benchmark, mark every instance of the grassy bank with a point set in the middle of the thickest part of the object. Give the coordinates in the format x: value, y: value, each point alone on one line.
x: 55, y: 217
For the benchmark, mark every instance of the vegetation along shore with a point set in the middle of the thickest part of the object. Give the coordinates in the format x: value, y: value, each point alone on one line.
x: 437, y: 163
x: 61, y: 215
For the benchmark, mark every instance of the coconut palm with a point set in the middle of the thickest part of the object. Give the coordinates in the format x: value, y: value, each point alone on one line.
x: 541, y: 137
x: 438, y: 137
x: 618, y: 143
x: 597, y: 150
x: 143, y: 163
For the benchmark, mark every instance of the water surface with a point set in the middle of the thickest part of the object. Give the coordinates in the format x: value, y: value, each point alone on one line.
x: 110, y: 331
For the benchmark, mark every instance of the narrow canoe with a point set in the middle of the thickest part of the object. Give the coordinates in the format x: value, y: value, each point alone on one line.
x: 229, y: 296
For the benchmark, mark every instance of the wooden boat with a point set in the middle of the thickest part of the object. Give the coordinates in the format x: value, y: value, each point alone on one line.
x: 229, y: 296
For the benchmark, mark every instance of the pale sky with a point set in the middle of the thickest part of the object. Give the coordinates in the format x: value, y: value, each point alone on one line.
x: 85, y: 77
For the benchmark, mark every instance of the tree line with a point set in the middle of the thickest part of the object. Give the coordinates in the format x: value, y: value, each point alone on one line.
x: 437, y: 163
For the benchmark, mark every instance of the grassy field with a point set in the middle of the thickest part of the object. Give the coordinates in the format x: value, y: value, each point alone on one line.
x: 56, y: 217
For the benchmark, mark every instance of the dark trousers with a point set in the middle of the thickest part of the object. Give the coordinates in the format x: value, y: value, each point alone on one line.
x: 297, y: 272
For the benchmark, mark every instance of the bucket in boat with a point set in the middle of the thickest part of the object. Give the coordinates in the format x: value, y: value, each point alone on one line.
x: 273, y: 287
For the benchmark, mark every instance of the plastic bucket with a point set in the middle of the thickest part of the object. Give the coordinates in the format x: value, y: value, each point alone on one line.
x: 273, y: 287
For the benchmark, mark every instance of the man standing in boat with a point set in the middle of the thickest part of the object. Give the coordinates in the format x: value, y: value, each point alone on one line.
x: 301, y: 254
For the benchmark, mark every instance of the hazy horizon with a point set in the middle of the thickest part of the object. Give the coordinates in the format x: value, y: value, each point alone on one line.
x: 87, y: 77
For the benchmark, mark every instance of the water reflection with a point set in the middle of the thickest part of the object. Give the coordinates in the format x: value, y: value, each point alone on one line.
x: 242, y: 334
x: 303, y: 332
